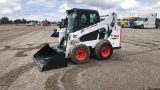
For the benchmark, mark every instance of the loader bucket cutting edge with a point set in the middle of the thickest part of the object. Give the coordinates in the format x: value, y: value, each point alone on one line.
x: 48, y: 58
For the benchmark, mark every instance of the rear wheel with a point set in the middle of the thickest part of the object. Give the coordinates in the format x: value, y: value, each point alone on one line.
x: 79, y: 53
x: 103, y: 50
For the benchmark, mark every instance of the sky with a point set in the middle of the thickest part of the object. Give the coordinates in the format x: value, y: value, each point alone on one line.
x: 55, y: 10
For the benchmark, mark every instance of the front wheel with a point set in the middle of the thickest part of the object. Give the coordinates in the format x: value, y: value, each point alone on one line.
x: 157, y: 26
x: 123, y: 26
x: 79, y: 53
x: 142, y: 26
x: 103, y: 50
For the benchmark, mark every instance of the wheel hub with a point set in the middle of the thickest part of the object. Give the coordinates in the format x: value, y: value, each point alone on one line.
x: 105, y: 51
x: 81, y: 54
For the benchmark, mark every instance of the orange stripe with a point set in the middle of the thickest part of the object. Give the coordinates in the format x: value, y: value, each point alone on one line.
x: 113, y: 38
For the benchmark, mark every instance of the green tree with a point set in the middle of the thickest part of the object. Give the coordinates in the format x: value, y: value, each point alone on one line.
x: 18, y: 21
x: 4, y: 20
x: 10, y: 22
x: 24, y: 21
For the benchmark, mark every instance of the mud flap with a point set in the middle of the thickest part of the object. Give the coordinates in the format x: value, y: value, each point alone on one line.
x: 48, y: 58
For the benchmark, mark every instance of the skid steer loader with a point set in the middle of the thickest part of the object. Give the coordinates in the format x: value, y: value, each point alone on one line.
x: 85, y: 34
x: 62, y: 26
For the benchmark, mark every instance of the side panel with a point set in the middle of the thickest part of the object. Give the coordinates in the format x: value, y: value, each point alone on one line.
x: 90, y: 36
x: 149, y: 26
x: 92, y: 43
x: 116, y: 37
x: 152, y: 19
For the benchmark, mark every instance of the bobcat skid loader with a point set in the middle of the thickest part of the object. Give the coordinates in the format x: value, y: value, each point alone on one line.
x: 62, y: 25
x: 85, y: 34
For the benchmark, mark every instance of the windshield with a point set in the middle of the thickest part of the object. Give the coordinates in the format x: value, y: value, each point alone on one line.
x: 141, y: 19
x: 132, y: 20
x: 71, y: 19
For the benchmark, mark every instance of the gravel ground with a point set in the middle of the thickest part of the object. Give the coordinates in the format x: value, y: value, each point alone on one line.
x: 136, y: 66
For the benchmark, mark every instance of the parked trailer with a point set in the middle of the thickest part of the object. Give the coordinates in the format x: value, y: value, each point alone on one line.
x: 30, y: 24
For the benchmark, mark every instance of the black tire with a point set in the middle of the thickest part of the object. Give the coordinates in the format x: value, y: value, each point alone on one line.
x: 99, y: 47
x: 78, y: 50
x: 123, y: 26
x: 142, y: 26
x: 158, y: 26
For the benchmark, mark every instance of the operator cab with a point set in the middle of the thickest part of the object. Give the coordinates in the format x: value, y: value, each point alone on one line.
x: 63, y: 24
x: 81, y: 18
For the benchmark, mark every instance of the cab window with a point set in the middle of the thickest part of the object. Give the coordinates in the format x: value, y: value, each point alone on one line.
x: 83, y: 21
x: 87, y: 19
x: 93, y: 18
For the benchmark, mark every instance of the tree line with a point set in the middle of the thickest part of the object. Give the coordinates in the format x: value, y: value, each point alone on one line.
x: 5, y: 20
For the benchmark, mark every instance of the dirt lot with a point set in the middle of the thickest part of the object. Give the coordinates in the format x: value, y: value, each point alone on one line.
x: 136, y: 66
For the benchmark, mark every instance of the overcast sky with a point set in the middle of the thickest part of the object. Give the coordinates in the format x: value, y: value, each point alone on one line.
x: 54, y: 10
